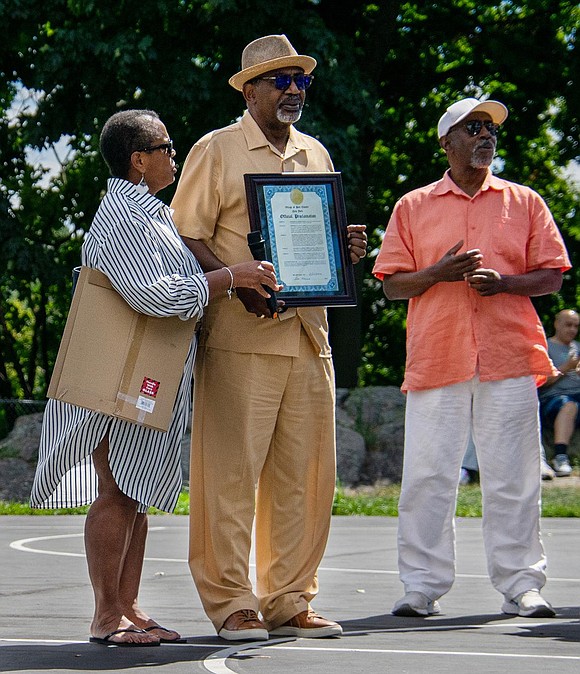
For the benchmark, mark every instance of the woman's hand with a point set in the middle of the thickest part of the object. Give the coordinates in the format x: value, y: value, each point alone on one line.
x: 249, y: 281
x: 252, y: 281
x: 255, y: 274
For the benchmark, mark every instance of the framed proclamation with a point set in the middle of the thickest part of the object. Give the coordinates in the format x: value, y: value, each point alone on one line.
x: 302, y: 219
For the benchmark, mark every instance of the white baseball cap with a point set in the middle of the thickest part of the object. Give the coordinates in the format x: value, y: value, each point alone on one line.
x: 458, y: 111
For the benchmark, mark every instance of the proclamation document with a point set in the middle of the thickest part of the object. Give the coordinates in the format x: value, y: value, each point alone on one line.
x: 301, y: 239
x: 302, y: 219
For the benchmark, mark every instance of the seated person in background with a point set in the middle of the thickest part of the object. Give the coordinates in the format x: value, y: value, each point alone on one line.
x: 560, y: 395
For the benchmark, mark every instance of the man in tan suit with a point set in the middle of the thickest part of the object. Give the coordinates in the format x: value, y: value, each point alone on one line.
x: 264, y: 387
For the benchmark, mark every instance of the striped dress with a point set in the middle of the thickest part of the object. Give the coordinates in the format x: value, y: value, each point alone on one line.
x: 134, y: 242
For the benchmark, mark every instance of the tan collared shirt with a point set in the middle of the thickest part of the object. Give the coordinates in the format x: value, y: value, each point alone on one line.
x: 210, y: 205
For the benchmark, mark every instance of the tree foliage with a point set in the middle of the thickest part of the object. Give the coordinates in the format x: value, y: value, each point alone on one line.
x: 386, y: 71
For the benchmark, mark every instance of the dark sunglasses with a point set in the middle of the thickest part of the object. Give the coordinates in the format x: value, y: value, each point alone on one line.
x: 166, y: 147
x: 283, y: 81
x: 474, y: 127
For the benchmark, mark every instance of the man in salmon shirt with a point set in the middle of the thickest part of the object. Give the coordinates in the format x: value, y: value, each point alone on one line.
x: 469, y: 251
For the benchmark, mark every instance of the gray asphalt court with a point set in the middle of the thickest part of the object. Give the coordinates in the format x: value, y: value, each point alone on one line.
x: 46, y: 607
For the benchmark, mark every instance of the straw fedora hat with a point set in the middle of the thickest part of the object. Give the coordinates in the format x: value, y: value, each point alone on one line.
x: 268, y: 53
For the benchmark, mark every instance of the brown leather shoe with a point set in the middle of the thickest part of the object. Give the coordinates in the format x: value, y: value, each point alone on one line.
x: 243, y: 625
x: 308, y: 624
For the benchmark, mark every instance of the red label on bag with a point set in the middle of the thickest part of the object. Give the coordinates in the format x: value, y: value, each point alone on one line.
x: 150, y: 387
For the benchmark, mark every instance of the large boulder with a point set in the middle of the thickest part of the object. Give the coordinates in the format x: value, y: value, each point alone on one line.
x: 24, y: 439
x: 377, y: 413
x: 18, y: 455
x: 16, y: 478
x: 350, y: 450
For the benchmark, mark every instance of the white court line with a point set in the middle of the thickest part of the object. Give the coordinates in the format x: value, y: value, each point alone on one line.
x: 216, y: 662
x: 425, y: 652
x: 24, y: 545
x: 41, y: 641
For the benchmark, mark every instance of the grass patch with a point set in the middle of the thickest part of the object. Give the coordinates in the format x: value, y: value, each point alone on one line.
x: 556, y: 501
x: 371, y: 501
x: 14, y: 508
x: 376, y: 501
x: 182, y: 507
x: 561, y: 502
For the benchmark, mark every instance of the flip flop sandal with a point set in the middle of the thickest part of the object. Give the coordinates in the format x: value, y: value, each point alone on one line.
x: 106, y: 640
x: 164, y: 641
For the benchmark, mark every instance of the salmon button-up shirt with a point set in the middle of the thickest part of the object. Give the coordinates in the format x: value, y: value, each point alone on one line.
x: 453, y: 332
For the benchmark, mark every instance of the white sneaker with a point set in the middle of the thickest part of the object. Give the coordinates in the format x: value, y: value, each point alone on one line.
x: 416, y: 604
x: 562, y: 466
x: 546, y: 471
x: 529, y: 604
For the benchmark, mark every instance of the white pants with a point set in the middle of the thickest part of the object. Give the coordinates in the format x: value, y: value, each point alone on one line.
x: 503, y: 417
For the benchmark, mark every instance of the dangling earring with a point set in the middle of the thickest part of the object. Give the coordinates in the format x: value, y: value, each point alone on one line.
x: 142, y: 187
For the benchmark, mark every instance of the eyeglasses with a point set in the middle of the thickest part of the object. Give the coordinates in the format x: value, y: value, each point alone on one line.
x: 166, y: 147
x: 474, y: 127
x: 283, y: 81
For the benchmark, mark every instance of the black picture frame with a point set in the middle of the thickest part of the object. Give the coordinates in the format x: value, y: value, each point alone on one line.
x: 302, y: 219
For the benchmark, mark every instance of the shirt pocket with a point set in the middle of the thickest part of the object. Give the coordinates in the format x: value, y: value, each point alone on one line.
x: 510, y: 239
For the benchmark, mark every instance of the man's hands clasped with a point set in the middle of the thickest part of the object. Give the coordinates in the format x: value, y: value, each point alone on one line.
x: 454, y: 266
x: 486, y: 282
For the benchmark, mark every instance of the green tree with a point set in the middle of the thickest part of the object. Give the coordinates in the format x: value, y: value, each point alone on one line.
x: 386, y: 70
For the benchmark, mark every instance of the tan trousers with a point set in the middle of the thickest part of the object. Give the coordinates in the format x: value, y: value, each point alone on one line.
x: 268, y: 422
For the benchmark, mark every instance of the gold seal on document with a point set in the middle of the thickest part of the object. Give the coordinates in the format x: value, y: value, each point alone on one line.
x: 296, y: 196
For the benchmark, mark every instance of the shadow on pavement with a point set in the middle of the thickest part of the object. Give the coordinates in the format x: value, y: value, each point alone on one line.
x: 87, y: 656
x: 567, y: 632
x: 393, y: 623
x: 83, y: 657
x: 93, y: 657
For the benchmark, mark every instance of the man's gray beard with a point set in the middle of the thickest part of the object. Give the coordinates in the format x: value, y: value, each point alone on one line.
x: 479, y: 163
x: 288, y: 117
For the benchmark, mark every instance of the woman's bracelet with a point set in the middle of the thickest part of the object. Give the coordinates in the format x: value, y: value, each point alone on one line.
x: 231, y: 288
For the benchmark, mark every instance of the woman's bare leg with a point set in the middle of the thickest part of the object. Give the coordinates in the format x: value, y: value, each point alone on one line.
x: 130, y: 581
x: 108, y: 534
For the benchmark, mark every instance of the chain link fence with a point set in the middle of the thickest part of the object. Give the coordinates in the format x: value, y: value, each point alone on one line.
x: 11, y: 409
